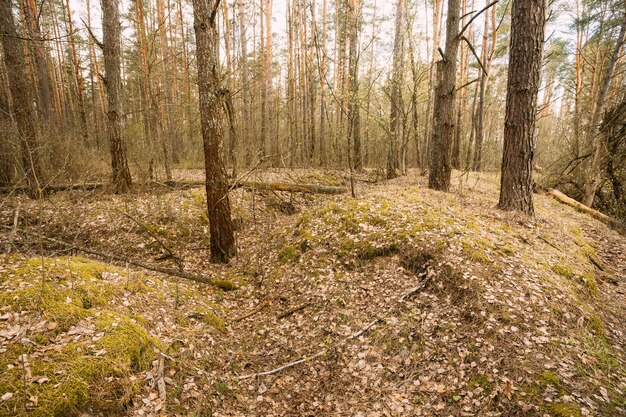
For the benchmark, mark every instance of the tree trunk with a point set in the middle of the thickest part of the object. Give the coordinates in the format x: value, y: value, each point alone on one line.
x: 480, y: 111
x: 78, y: 76
x: 111, y: 29
x: 22, y: 110
x: 443, y: 110
x: 526, y: 47
x: 207, y: 44
x: 395, y: 123
x: 353, y: 72
x: 464, y: 60
x: 39, y: 55
x: 599, y: 148
x: 245, y: 93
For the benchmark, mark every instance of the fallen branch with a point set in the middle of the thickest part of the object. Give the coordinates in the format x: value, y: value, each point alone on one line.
x: 269, y: 186
x: 309, y: 358
x: 402, y: 299
x: 294, y: 310
x: 52, y: 188
x: 252, y: 312
x: 610, y: 221
x: 220, y: 283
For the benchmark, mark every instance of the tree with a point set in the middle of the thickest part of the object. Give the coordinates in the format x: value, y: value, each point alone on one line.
x: 526, y: 47
x: 211, y: 107
x: 395, y: 122
x: 443, y: 109
x: 599, y: 147
x: 111, y: 28
x: 354, y: 117
x: 20, y: 94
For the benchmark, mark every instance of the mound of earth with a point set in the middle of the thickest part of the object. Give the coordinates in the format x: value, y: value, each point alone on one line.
x: 405, y: 301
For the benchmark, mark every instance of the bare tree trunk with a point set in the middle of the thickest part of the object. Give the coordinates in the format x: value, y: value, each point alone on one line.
x: 245, y: 79
x: 395, y: 123
x: 443, y: 109
x: 111, y: 29
x: 39, y: 56
x: 354, y: 117
x: 78, y: 76
x: 526, y: 47
x: 599, y: 147
x: 464, y: 60
x: 437, y: 15
x: 22, y: 110
x: 211, y: 107
x: 480, y: 111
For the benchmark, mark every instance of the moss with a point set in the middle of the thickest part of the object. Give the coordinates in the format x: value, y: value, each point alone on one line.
x: 475, y: 252
x: 559, y: 409
x: 88, y: 372
x: 507, y: 250
x: 563, y: 270
x: 223, y: 389
x: 478, y: 380
x: 83, y: 373
x: 224, y: 284
x: 590, y: 283
x: 595, y: 326
x: 288, y: 253
x: 549, y: 378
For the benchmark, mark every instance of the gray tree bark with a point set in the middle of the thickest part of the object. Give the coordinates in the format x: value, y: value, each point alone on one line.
x: 211, y: 114
x: 526, y: 47
x: 111, y: 29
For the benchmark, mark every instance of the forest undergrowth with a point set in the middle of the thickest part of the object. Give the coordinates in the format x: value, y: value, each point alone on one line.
x: 403, y: 301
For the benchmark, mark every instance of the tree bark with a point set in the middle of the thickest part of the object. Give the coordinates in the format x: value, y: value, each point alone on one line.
x: 111, y: 28
x: 22, y: 110
x: 443, y: 109
x: 395, y: 122
x: 211, y: 107
x: 599, y: 148
x: 354, y: 117
x: 526, y: 47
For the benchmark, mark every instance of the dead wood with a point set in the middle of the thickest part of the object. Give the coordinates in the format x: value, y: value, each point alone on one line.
x: 610, y: 221
x: 220, y: 283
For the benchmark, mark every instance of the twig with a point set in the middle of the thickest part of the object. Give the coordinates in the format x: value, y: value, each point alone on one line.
x: 251, y: 313
x: 354, y: 335
x: 223, y: 284
x: 474, y: 17
x: 294, y: 310
x: 471, y: 47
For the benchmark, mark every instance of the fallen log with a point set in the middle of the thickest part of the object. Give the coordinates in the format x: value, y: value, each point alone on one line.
x: 53, y: 188
x: 563, y: 198
x: 269, y: 186
x: 217, y: 282
x: 292, y: 187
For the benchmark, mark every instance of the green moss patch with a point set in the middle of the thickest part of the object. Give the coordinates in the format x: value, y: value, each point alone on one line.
x: 70, y: 352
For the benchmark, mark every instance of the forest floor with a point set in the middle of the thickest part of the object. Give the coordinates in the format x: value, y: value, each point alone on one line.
x: 404, y: 301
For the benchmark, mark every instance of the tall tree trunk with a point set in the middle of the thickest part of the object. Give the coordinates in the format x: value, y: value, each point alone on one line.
x: 397, y: 76
x: 437, y: 15
x: 39, y: 55
x: 245, y: 80
x: 322, y: 74
x: 480, y: 111
x: 354, y: 117
x: 111, y: 29
x: 464, y: 61
x: 443, y: 109
x: 78, y: 76
x: 599, y: 147
x: 168, y: 133
x: 22, y: 110
x: 211, y: 114
x: 526, y: 47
